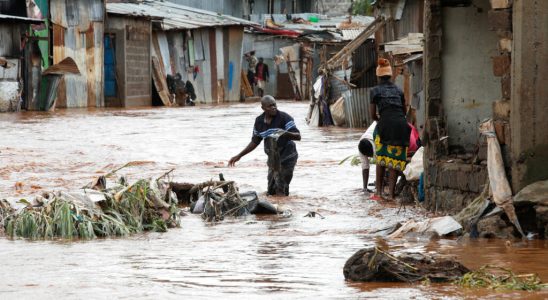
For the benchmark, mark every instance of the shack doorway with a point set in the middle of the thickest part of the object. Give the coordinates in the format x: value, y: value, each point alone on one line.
x: 111, y: 91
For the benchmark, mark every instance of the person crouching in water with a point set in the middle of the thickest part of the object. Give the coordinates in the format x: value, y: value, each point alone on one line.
x: 279, y: 131
x: 367, y: 150
x: 392, y: 132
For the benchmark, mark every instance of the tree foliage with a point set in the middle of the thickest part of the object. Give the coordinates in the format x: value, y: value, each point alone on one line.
x: 362, y: 7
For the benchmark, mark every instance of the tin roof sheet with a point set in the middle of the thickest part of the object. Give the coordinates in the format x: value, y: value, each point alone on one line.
x: 175, y: 16
x: 21, y: 19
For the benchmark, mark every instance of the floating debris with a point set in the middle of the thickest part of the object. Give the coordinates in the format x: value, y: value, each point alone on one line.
x: 499, y: 278
x: 219, y: 199
x: 313, y: 214
x: 146, y: 205
x: 375, y: 264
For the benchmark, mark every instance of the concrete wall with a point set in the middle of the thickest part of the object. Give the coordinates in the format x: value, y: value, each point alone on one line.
x: 132, y: 46
x: 468, y: 84
x: 529, y: 102
x: 138, y: 76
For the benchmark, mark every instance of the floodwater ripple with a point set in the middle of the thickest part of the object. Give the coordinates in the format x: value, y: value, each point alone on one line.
x: 252, y: 257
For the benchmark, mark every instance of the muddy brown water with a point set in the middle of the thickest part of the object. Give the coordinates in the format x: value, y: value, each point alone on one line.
x: 253, y: 257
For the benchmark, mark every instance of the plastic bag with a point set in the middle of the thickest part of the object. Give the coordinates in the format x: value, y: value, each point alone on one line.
x: 337, y: 112
x: 415, y: 167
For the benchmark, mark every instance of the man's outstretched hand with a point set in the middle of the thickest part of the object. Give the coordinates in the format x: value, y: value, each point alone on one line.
x: 233, y: 160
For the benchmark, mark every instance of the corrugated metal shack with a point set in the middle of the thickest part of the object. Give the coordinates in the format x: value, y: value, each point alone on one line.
x: 128, y: 68
x: 13, y: 27
x: 309, y: 39
x: 204, y: 47
x: 346, y: 76
x: 78, y: 33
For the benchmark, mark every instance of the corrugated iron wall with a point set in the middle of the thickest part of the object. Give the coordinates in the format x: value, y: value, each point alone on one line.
x: 204, y: 85
x: 234, y: 62
x: 364, y: 61
x: 218, y: 58
x: 78, y: 33
x: 10, y: 37
x: 229, y: 7
x: 13, y: 8
x: 411, y: 20
x: 338, y: 87
x: 356, y: 108
x: 417, y: 94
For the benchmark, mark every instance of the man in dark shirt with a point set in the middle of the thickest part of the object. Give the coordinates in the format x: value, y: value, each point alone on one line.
x: 279, y: 131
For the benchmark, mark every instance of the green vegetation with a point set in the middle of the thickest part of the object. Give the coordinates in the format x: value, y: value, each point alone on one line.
x: 499, y: 278
x: 355, y: 160
x: 125, y: 210
x: 362, y: 7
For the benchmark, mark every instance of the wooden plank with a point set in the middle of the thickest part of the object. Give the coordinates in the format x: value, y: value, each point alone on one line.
x: 246, y: 87
x: 159, y: 81
x: 337, y: 59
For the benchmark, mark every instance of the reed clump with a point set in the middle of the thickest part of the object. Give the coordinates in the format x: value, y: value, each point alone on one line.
x: 499, y: 278
x: 146, y: 205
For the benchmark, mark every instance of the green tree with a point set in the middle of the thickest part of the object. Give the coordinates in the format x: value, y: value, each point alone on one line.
x: 362, y: 7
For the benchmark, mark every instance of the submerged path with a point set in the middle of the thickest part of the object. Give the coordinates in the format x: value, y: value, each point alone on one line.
x: 255, y: 257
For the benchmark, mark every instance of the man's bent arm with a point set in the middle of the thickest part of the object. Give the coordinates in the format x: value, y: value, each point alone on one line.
x: 294, y: 136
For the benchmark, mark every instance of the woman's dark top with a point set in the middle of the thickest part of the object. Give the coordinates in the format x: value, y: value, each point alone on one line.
x: 392, y: 126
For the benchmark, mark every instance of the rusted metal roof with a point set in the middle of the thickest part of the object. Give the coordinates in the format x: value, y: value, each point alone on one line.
x: 20, y: 19
x: 66, y: 66
x: 175, y: 16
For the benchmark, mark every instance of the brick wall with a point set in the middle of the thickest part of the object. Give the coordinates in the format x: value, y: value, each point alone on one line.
x: 500, y: 21
x: 451, y: 183
x: 137, y: 62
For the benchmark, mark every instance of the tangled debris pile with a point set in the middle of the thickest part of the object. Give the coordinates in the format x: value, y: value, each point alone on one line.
x: 95, y: 211
x: 215, y: 200
x: 375, y: 264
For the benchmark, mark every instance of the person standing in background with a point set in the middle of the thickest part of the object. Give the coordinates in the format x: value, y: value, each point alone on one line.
x: 392, y: 132
x: 251, y: 65
x: 262, y: 76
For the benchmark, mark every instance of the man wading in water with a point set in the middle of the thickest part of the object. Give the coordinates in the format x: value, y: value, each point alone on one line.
x: 279, y: 131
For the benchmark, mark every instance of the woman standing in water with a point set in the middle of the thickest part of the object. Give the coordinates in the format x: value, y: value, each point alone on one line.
x: 392, y: 133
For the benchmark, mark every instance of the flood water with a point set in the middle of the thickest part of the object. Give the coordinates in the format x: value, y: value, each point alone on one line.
x: 244, y: 258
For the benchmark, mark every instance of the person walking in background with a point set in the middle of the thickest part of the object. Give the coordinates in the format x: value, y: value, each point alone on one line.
x: 392, y: 133
x: 262, y: 76
x: 251, y: 65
